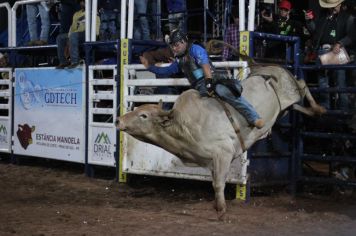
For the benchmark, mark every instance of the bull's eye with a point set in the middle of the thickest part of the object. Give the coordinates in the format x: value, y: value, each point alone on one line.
x: 143, y: 116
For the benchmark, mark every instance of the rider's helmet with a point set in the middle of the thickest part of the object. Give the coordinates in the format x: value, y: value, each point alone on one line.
x: 176, y: 36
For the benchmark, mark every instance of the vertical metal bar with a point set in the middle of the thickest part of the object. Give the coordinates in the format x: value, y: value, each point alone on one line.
x: 225, y: 22
x: 118, y: 96
x: 158, y: 19
x: 123, y: 19
x: 242, y: 15
x: 13, y: 24
x: 12, y: 156
x: 130, y: 22
x: 206, y: 7
x: 88, y: 171
x: 296, y: 50
x: 293, y: 160
x: 125, y: 46
x: 251, y: 49
x: 288, y: 53
x: 87, y: 20
x: 251, y: 15
x: 94, y: 11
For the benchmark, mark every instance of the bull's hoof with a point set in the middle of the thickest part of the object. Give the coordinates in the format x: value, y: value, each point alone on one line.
x: 222, y: 215
x: 220, y: 210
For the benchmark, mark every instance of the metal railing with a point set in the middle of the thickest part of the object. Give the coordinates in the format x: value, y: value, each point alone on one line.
x: 9, y: 26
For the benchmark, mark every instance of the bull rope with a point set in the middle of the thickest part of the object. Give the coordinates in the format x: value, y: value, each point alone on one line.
x: 233, y: 123
x: 273, y: 87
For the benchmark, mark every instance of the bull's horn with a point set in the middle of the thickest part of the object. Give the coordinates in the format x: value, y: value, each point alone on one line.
x: 165, y: 113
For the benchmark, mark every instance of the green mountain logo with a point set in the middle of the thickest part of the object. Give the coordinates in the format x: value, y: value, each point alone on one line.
x: 102, y: 138
x: 3, y: 130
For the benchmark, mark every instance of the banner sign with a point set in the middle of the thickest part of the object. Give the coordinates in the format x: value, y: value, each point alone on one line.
x: 102, y: 146
x: 49, y: 113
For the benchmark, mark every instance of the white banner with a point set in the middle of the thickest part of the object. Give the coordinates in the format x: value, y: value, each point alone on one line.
x: 102, y: 146
x: 49, y: 113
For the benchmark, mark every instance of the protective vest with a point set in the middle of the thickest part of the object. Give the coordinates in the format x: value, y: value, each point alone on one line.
x: 194, y: 73
x: 189, y: 67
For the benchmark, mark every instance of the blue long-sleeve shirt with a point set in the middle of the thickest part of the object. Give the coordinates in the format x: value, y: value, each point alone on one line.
x: 196, y: 52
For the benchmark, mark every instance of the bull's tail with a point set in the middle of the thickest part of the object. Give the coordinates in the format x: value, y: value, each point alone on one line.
x: 315, y: 108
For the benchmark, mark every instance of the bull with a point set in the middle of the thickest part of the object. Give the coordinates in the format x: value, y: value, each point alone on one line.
x: 197, y: 129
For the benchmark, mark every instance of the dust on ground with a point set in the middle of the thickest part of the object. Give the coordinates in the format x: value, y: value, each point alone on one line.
x: 56, y: 198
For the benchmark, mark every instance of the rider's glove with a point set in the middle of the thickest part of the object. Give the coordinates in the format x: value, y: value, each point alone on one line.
x: 209, y: 86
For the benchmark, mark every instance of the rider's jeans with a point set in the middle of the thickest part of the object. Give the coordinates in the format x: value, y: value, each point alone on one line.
x: 239, y: 103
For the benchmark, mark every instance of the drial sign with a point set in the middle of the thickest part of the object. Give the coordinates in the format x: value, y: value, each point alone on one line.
x: 3, y: 134
x: 102, y: 146
x: 49, y: 113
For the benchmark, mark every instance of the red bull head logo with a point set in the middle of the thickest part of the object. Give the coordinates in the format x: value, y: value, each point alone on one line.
x: 24, y: 135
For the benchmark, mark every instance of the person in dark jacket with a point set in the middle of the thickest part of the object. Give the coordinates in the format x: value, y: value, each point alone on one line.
x: 333, y: 30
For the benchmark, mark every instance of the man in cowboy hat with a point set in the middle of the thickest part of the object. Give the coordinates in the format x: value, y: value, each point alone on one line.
x: 333, y: 30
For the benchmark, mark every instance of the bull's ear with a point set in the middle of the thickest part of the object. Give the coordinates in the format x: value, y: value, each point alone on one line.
x: 165, y: 118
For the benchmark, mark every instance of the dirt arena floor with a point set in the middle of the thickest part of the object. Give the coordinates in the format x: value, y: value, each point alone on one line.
x: 56, y: 198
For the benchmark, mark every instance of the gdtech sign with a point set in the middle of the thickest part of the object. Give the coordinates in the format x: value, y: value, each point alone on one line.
x: 103, y: 146
x: 34, y: 92
x: 52, y: 101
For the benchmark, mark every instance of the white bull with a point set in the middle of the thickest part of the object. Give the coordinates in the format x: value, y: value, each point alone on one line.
x: 198, y: 130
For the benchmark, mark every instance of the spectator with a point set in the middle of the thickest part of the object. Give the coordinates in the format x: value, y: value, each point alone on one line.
x: 232, y: 36
x: 282, y: 24
x: 142, y: 29
x: 32, y: 11
x: 176, y: 14
x: 74, y: 38
x: 109, y: 17
x: 334, y: 29
x: 67, y: 10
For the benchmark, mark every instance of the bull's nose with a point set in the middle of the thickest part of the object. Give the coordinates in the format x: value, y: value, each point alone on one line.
x: 119, y: 125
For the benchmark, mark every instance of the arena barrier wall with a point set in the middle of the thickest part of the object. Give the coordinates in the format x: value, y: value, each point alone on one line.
x: 49, y: 113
